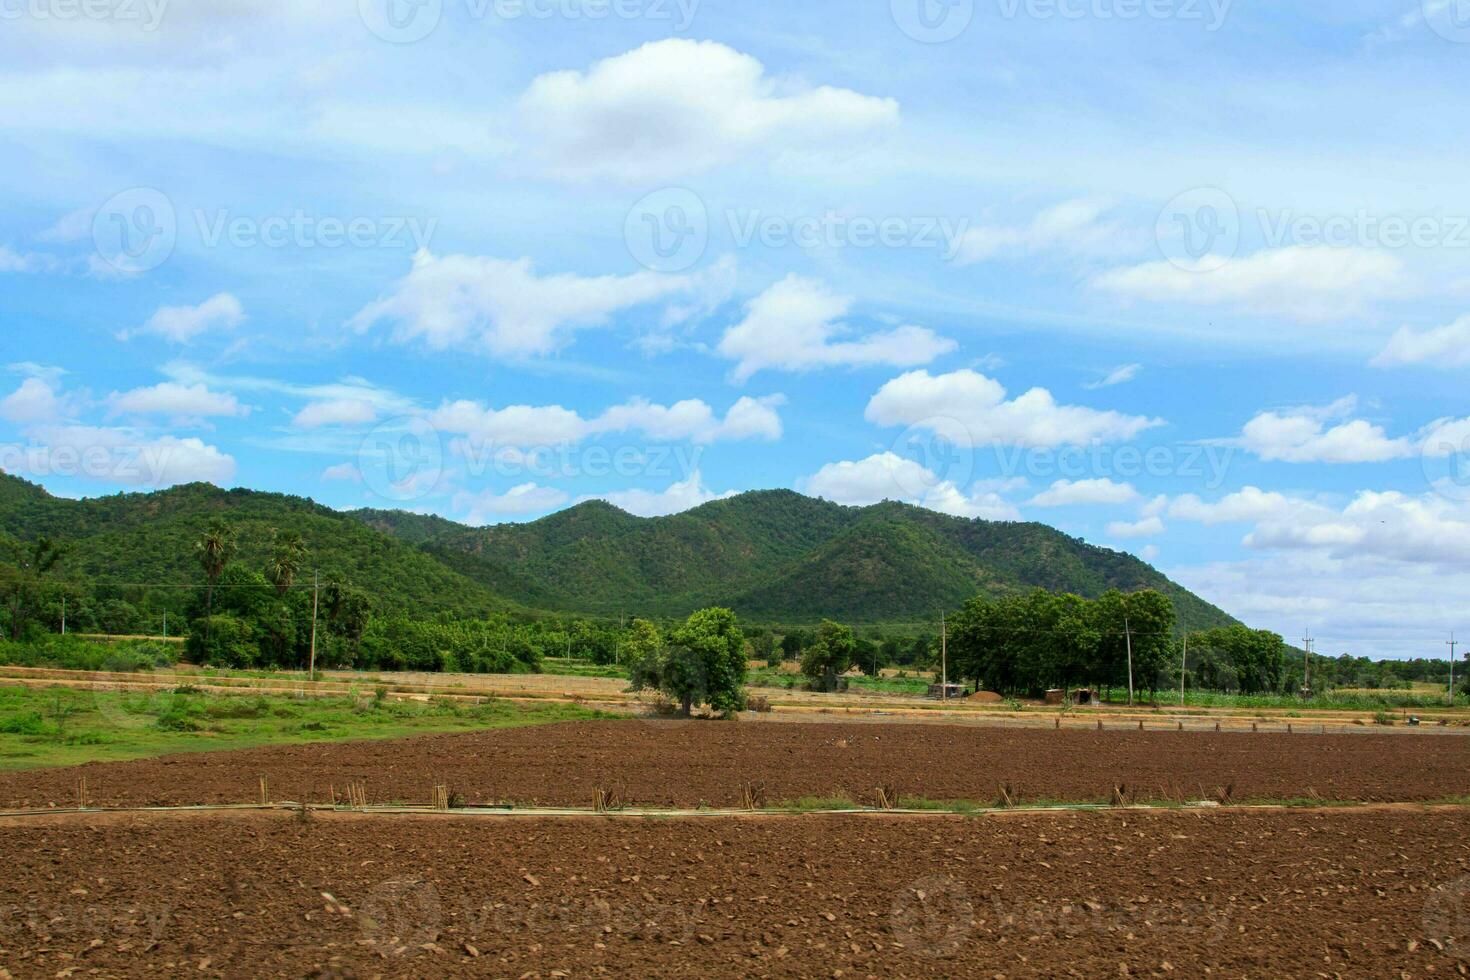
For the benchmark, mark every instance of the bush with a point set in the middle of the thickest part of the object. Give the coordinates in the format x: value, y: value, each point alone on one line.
x: 222, y: 641
x: 758, y: 703
x: 29, y: 723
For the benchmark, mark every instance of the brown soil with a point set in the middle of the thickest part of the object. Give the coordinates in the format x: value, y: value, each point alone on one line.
x: 1180, y: 894
x: 689, y: 763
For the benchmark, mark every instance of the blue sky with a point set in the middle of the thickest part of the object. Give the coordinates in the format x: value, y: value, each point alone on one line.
x: 1187, y: 278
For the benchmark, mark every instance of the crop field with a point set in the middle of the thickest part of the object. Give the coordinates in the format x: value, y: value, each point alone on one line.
x: 688, y: 764
x: 1372, y: 892
x: 1015, y: 852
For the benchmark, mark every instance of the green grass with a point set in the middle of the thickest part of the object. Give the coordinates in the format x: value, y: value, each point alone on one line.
x: 73, y: 653
x: 565, y: 667
x: 1355, y: 701
x: 782, y: 680
x: 816, y: 804
x: 62, y: 727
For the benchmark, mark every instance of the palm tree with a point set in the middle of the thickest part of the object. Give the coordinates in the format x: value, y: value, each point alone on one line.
x: 215, y: 547
x: 286, y: 560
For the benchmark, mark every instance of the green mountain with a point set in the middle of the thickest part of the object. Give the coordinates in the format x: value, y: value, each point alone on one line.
x: 142, y: 545
x: 780, y: 557
x: 774, y: 556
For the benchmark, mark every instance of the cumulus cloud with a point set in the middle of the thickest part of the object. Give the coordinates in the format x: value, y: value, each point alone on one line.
x: 182, y: 324
x: 1147, y: 527
x: 1074, y: 227
x: 488, y: 507
x: 117, y: 456
x: 36, y: 400
x: 679, y: 497
x: 504, y: 307
x: 690, y: 420
x: 1305, y: 435
x: 1070, y: 493
x: 176, y: 401
x: 1308, y: 284
x: 342, y: 473
x: 1308, y: 435
x: 795, y: 325
x: 676, y: 107
x: 1246, y: 505
x: 888, y: 476
x: 339, y: 411
x: 1445, y: 347
x: 978, y: 405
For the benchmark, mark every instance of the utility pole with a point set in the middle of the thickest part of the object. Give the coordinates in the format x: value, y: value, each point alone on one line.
x: 63, y: 633
x: 1128, y: 637
x: 943, y: 659
x: 1453, y: 644
x: 316, y: 590
x: 1307, y: 664
x: 1183, y: 666
x: 165, y: 624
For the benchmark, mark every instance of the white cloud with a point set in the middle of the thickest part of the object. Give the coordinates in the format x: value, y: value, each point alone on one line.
x: 690, y: 420
x: 487, y: 506
x: 888, y: 476
x: 1247, y: 505
x: 1074, y: 227
x: 181, y: 324
x: 1303, y: 283
x: 1147, y: 527
x: 677, y: 107
x: 1358, y: 605
x: 26, y: 262
x: 124, y: 456
x: 678, y: 498
x: 1447, y: 346
x: 36, y: 400
x: 1070, y: 493
x: 503, y: 307
x: 795, y: 326
x: 342, y: 472
x: 1304, y: 435
x: 977, y: 405
x: 341, y: 411
x: 177, y: 401
x: 1117, y: 376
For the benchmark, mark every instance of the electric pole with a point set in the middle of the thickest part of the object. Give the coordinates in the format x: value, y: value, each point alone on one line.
x: 1453, y: 644
x: 1183, y: 666
x: 165, y: 624
x: 316, y: 589
x: 943, y: 659
x: 1128, y: 637
x: 63, y: 633
x: 1307, y: 664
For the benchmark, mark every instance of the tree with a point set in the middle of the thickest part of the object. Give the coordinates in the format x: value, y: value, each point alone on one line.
x: 288, y: 555
x: 25, y: 581
x: 214, y: 549
x: 830, y: 654
x: 703, y: 662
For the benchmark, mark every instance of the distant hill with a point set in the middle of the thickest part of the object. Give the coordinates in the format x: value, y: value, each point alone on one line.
x: 778, y: 556
x: 774, y: 556
x: 147, y: 539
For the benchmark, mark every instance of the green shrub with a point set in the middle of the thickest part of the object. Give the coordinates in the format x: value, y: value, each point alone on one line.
x: 29, y: 723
